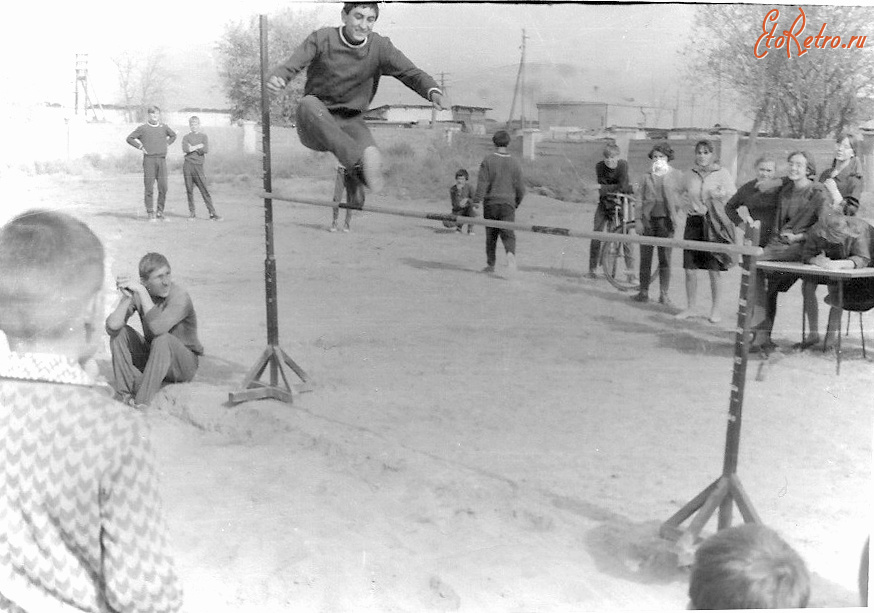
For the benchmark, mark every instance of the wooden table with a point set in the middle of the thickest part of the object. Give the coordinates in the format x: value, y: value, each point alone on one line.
x: 809, y: 271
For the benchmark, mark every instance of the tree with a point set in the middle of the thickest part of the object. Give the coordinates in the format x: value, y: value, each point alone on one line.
x: 788, y: 91
x: 239, y: 53
x: 142, y: 82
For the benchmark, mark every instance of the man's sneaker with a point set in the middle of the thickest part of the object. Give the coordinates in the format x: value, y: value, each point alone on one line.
x: 333, y: 228
x: 160, y: 216
x: 192, y: 218
x: 511, y: 263
x: 345, y: 227
x: 471, y: 233
x: 488, y: 269
x: 216, y: 217
x: 152, y: 217
x: 371, y: 162
x: 639, y: 297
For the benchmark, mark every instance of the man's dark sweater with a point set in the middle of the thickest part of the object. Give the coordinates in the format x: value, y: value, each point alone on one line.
x: 345, y: 76
x: 500, y: 181
x: 153, y: 138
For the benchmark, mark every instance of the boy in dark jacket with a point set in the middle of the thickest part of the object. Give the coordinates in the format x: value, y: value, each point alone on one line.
x: 500, y: 188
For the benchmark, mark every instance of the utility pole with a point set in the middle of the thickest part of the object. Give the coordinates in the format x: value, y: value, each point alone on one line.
x: 82, y: 81
x: 434, y: 108
x: 519, y: 90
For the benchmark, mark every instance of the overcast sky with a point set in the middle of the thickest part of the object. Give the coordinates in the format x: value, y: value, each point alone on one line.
x: 40, y: 38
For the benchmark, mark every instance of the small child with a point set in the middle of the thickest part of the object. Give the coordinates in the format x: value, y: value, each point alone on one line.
x: 195, y: 145
x: 612, y: 174
x: 460, y: 195
x: 152, y: 139
x: 500, y: 188
x: 748, y: 567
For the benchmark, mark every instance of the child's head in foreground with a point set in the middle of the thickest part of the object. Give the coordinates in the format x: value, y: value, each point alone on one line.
x: 461, y: 176
x: 51, y: 276
x: 748, y: 567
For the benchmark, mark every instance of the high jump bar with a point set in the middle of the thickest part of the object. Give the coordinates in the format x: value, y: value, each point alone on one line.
x: 553, y: 230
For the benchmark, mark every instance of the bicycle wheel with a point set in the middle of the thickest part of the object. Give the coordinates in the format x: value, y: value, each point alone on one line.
x: 620, y: 260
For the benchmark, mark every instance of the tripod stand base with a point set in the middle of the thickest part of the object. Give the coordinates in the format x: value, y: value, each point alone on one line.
x: 280, y: 364
x: 720, y: 494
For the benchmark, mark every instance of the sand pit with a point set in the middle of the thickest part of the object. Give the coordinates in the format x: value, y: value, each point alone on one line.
x: 472, y: 443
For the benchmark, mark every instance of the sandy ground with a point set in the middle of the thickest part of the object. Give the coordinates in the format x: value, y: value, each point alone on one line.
x: 473, y: 443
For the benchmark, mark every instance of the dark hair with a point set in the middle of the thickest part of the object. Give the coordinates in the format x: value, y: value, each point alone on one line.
x: 51, y: 265
x: 705, y: 143
x: 151, y: 262
x: 462, y: 173
x: 855, y: 140
x: 348, y: 6
x: 501, y: 138
x: 611, y: 149
x: 663, y: 148
x: 194, y: 118
x: 767, y: 157
x: 811, y: 164
x: 748, y: 567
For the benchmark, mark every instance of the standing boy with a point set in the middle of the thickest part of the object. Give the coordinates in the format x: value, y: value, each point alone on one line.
x: 195, y: 145
x: 461, y: 196
x: 169, y: 350
x: 82, y: 525
x: 612, y: 174
x: 344, y: 65
x: 500, y: 188
x: 152, y: 139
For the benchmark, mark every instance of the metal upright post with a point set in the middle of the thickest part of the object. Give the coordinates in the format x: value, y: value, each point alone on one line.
x: 273, y: 356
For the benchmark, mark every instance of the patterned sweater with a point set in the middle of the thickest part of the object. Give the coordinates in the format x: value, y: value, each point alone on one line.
x: 345, y: 76
x: 80, y: 514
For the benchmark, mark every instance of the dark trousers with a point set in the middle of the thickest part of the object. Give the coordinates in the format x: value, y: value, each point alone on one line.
x: 344, y: 135
x: 140, y: 367
x: 601, y: 218
x: 154, y: 169
x: 499, y: 212
x: 659, y: 227
x: 193, y: 175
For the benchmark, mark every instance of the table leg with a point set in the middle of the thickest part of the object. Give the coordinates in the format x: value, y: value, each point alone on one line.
x: 840, y: 322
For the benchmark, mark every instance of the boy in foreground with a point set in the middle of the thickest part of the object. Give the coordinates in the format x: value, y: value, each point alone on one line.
x: 748, y: 567
x: 81, y: 514
x: 344, y: 65
x: 153, y: 138
x: 500, y: 188
x: 169, y: 349
x: 195, y: 145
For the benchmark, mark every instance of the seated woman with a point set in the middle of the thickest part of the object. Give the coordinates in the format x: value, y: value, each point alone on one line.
x: 839, y: 242
x: 800, y: 202
x: 760, y: 206
x: 844, y: 179
x: 708, y: 188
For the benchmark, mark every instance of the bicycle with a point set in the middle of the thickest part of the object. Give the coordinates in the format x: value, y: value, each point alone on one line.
x: 619, y: 260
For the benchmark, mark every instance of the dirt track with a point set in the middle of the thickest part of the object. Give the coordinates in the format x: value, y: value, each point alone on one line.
x: 472, y: 443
